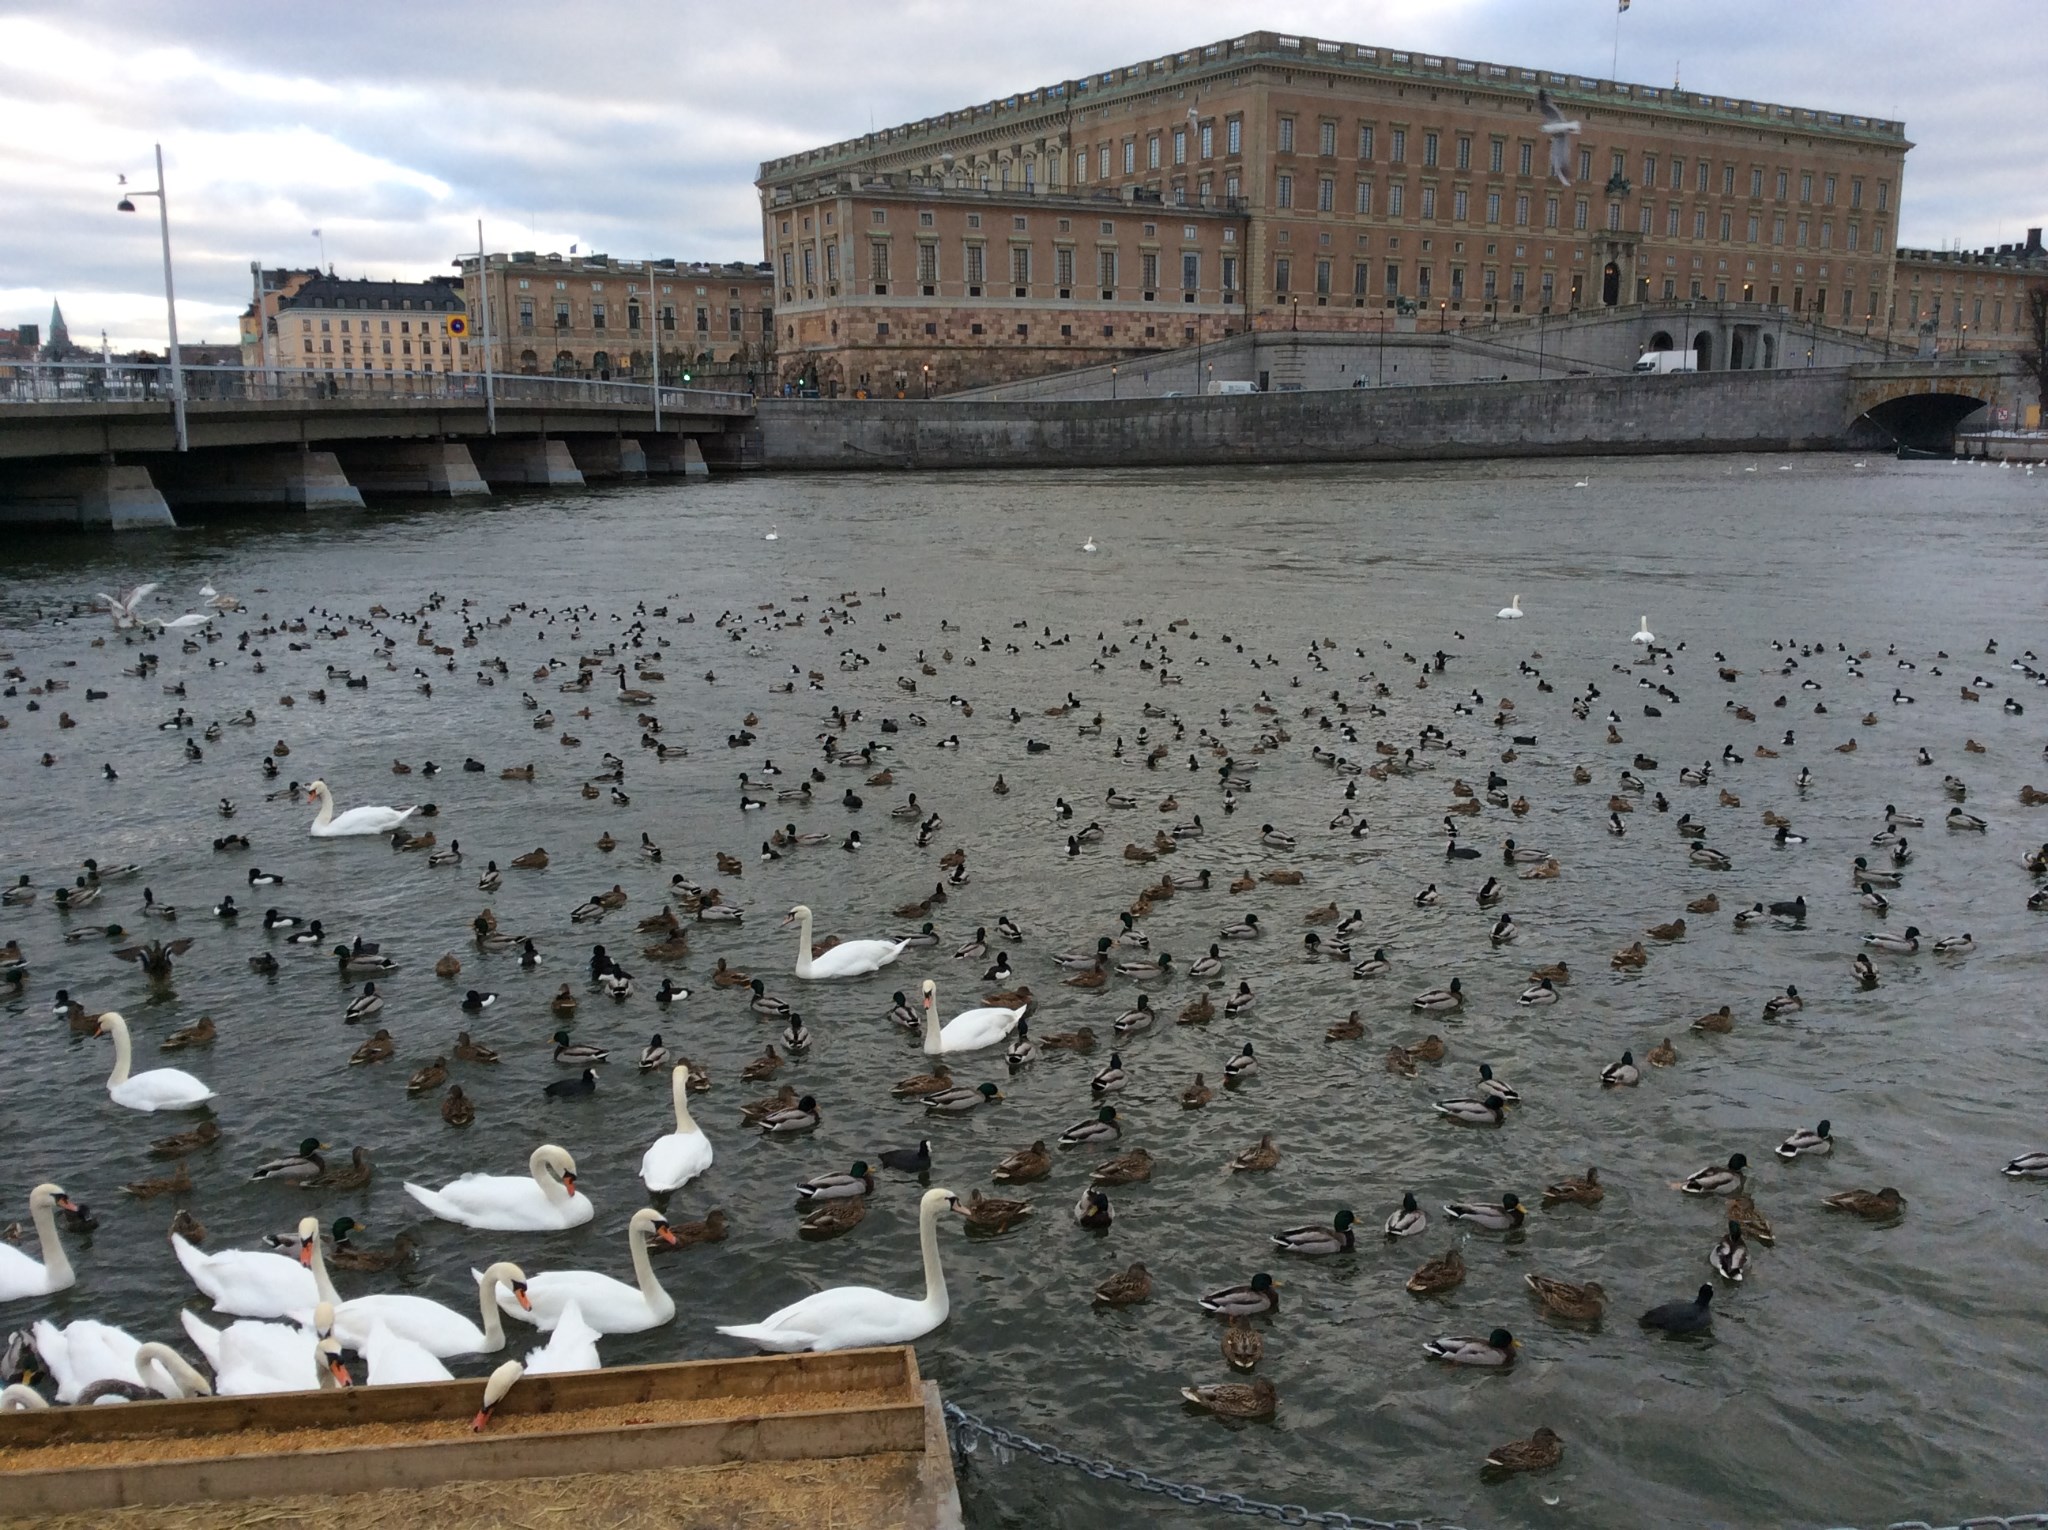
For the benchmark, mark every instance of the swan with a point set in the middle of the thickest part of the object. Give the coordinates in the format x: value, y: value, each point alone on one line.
x: 440, y: 1331
x: 850, y: 958
x: 1089, y: 545
x: 250, y: 1357
x: 154, y: 1089
x: 572, y: 1347
x: 1512, y: 611
x: 362, y: 820
x: 849, y: 1317
x: 608, y: 1305
x: 968, y: 1031
x: 1644, y: 634
x: 396, y: 1362
x: 547, y: 1202
x: 679, y: 1156
x: 84, y: 1353
x: 20, y: 1275
x: 248, y: 1283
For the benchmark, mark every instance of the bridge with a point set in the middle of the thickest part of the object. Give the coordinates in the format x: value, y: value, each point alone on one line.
x: 105, y: 444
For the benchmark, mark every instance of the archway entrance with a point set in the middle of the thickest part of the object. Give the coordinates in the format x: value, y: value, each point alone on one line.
x: 1610, y: 284
x: 1703, y: 349
x: 1926, y: 421
x: 1661, y: 341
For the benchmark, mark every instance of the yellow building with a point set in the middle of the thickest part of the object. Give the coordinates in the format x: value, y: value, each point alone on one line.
x: 356, y: 333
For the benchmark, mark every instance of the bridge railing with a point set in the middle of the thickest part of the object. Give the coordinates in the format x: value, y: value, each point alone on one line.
x: 105, y: 382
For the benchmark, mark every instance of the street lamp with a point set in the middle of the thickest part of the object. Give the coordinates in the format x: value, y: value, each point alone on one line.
x: 1443, y: 315
x: 1112, y: 380
x: 163, y: 207
x: 927, y: 368
x: 1294, y: 313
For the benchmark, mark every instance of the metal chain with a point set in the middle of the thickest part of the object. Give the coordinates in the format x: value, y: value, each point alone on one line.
x: 968, y: 1431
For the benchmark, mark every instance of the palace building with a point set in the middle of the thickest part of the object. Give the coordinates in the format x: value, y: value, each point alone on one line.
x: 354, y: 332
x: 1280, y: 182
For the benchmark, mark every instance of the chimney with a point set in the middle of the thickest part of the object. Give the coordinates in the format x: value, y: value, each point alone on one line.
x: 2033, y: 241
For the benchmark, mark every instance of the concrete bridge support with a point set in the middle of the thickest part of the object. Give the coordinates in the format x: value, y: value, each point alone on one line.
x: 534, y: 463
x: 677, y: 454
x: 289, y: 480
x: 84, y: 495
x: 442, y: 468
x: 608, y: 456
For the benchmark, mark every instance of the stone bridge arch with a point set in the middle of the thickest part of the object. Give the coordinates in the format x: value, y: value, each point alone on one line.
x: 1920, y: 410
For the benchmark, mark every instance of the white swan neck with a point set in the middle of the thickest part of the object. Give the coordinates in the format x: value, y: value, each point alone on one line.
x: 124, y: 1054
x: 323, y: 1288
x: 936, y: 1299
x: 487, y: 1303
x: 933, y: 1045
x: 552, y: 1189
x: 56, y: 1263
x: 803, y: 944
x: 679, y: 1087
x: 643, y: 1269
x: 326, y: 814
x: 184, y: 1380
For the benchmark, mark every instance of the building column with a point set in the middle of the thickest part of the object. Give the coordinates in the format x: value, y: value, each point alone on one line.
x: 83, y: 495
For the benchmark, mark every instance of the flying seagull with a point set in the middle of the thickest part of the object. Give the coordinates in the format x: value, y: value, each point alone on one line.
x: 122, y: 607
x: 1561, y: 131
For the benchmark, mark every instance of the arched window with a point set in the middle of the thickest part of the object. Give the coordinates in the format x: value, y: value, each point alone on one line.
x: 600, y: 362
x: 529, y: 362
x: 565, y: 364
x: 1661, y: 341
x: 1703, y: 348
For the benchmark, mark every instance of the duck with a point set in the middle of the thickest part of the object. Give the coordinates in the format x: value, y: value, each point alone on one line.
x: 303, y: 1165
x: 1436, y: 1276
x: 1318, y: 1241
x: 1132, y: 1168
x: 1259, y: 1158
x: 1662, y: 1055
x: 1897, y: 945
x: 858, y: 1181
x: 1730, y: 1258
x: 1250, y: 1400
x: 1376, y: 965
x: 1407, y: 1219
x: 1805, y: 1143
x: 1446, y: 998
x: 1542, y: 991
x: 1496, y: 1350
x: 1586, y: 1190
x: 1488, y: 1110
x: 988, y: 1214
x: 1623, y: 1074
x: 1787, y: 1003
x: 1256, y: 1298
x: 1024, y: 1166
x: 1679, y: 1319
x: 1126, y: 1288
x: 794, y: 1120
x: 1873, y: 1206
x: 959, y: 1100
x: 1716, y: 1179
x: 1092, y: 1210
x: 1505, y: 1217
x: 1101, y: 1127
x: 575, y: 1053
x: 1955, y: 945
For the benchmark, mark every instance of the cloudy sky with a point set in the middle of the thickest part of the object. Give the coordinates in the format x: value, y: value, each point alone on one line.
x: 635, y: 126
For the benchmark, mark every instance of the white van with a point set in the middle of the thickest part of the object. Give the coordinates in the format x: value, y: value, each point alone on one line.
x: 1217, y: 386
x: 1667, y: 361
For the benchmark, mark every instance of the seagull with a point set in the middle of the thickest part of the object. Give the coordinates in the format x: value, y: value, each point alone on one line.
x: 1561, y: 131
x: 1512, y: 611
x: 122, y: 606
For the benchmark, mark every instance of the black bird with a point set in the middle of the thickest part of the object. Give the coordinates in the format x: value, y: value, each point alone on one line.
x: 917, y: 1160
x: 1796, y: 909
x: 1682, y: 1317
x: 572, y: 1088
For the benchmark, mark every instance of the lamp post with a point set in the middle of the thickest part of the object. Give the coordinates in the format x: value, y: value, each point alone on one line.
x: 483, y: 300
x: 654, y: 331
x: 163, y: 208
x: 926, y: 368
x: 1443, y: 315
x: 1294, y: 313
x: 1112, y: 380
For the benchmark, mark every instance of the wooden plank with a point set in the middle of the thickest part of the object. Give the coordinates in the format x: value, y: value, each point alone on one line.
x: 853, y: 1370
x: 778, y: 1437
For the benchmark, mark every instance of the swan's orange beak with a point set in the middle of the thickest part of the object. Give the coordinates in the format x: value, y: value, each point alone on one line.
x: 339, y: 1372
x: 483, y: 1417
x: 569, y: 1183
x: 306, y: 1255
x: 519, y: 1293
x: 666, y: 1234
x: 99, y: 1029
x: 66, y: 1203
x: 787, y: 920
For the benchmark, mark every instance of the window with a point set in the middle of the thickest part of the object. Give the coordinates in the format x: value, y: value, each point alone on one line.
x: 882, y: 331
x: 1464, y: 153
x: 1756, y: 183
x: 563, y: 313
x: 1650, y: 172
x: 1393, y: 287
x: 1208, y: 140
x: 597, y: 316
x: 1283, y: 191
x: 1727, y: 178
x: 526, y: 313
x: 1020, y: 265
x: 703, y: 320
x: 1784, y: 179
x: 1063, y: 266
x: 1753, y: 228
x: 1699, y: 223
x: 1152, y: 152
x: 810, y: 266
x: 1326, y: 194
x: 1322, y: 278
x: 1106, y: 264
x: 1854, y: 231
x: 1459, y: 199
x: 1229, y: 276
x: 928, y: 263
x: 1727, y: 226
x: 1648, y: 217
x: 1361, y: 274
x: 1180, y: 146
x: 1550, y: 212
x: 831, y: 262
x: 1326, y: 138
x: 1806, y: 185
x: 1521, y: 209
x: 1524, y: 157
x: 1233, y: 136
x: 1827, y: 191
x: 1148, y: 273
x: 1399, y: 146
x: 1827, y: 233
x: 1190, y: 271
x: 1579, y: 212
x: 1855, y: 192
x: 1397, y: 195
x: 1365, y: 140
x: 1548, y: 289
x: 1230, y: 188
x: 1103, y: 153
x: 1778, y: 229
x: 1493, y: 207
x: 1365, y: 197
x: 633, y: 314
x: 1429, y: 201
x: 1429, y: 151
x: 1613, y: 216
x: 926, y: 220
x: 1884, y: 195
x: 1495, y: 154
x: 878, y: 217
x: 1020, y: 223
x: 1585, y: 164
x: 1286, y: 135
x: 1422, y: 287
x: 1130, y: 156
x: 1490, y: 285
x: 733, y: 322
x: 1283, y: 271
x: 976, y: 264
x: 1517, y: 287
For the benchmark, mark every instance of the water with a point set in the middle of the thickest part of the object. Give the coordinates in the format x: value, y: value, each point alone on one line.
x: 1863, y: 1372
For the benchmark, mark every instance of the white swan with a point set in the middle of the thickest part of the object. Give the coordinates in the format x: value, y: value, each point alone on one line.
x: 20, y: 1399
x: 968, y: 1031
x: 249, y: 1357
x: 362, y: 820
x: 848, y: 1317
x: 440, y: 1331
x: 1644, y: 634
x: 249, y: 1283
x: 1089, y: 545
x: 396, y: 1362
x: 153, y: 1089
x: 85, y: 1353
x: 572, y: 1347
x: 608, y: 1305
x: 547, y: 1202
x: 679, y: 1156
x: 1512, y: 611
x: 20, y: 1275
x: 850, y: 958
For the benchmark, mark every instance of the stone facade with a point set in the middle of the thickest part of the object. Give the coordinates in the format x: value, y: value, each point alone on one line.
x: 1363, y: 184
x: 355, y: 332
x: 597, y: 316
x: 1950, y: 301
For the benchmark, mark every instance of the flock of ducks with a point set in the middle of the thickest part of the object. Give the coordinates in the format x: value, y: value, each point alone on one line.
x: 1381, y: 740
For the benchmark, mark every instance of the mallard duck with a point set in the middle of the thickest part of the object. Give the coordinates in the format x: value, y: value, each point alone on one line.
x: 450, y: 965
x: 1496, y: 1350
x: 1127, y: 1288
x: 1196, y: 1095
x: 1241, y: 1067
x: 1259, y: 1296
x: 378, y: 1048
x: 1678, y: 1319
x: 1730, y: 1258
x: 1408, y: 1218
x: 751, y: 1114
x: 431, y: 1077
x: 1092, y: 1211
x: 1560, y: 1298
x: 1024, y: 1166
x: 1719, y: 1022
x: 1260, y: 1157
x: 199, y: 1033
x: 1742, y: 1209
x: 1716, y: 1179
x: 1398, y: 1061
x: 1630, y: 958
x: 1232, y: 1399
x: 791, y: 1121
x: 1199, y: 1011
x: 1710, y: 904
x: 1542, y: 991
x: 1584, y: 1191
x: 1429, y: 1049
x: 1505, y: 1217
x: 723, y: 976
x: 831, y: 1218
x: 190, y: 1228
x: 1101, y: 1127
x: 1488, y: 1110
x: 1134, y: 1167
x: 178, y: 1183
x: 2027, y: 1166
x: 687, y: 1234
x: 960, y: 1100
x: 1451, y: 997
x: 1494, y: 1088
x: 470, y: 1051
x: 351, y: 961
x: 457, y: 1109
x: 859, y: 1180
x: 1243, y: 1345
x: 1787, y: 1003
x: 986, y: 1214
x: 1662, y: 1055
x: 1437, y: 1275
x: 346, y: 1254
x: 302, y: 1165
x: 1376, y: 965
x: 1804, y: 1143
x: 1898, y: 945
x: 1872, y: 1206
x: 1317, y: 1241
x: 1350, y: 1028
x: 577, y: 1054
x: 1539, y: 1453
x: 1623, y: 1074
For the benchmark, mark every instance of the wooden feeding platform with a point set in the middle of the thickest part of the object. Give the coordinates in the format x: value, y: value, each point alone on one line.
x: 853, y: 1440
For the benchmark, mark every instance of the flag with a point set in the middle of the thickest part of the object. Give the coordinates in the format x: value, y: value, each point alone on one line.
x: 1624, y: 6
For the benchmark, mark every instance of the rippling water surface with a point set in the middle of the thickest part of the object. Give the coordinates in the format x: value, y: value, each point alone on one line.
x: 1862, y: 1373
